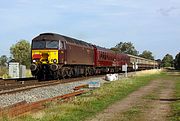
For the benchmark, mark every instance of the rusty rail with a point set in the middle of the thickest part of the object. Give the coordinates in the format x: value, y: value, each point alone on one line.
x: 81, y: 86
x: 24, y: 107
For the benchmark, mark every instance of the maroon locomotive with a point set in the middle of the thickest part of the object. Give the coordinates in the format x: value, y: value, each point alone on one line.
x: 56, y: 56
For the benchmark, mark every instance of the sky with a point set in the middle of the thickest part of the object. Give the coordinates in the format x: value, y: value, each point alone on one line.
x: 152, y: 25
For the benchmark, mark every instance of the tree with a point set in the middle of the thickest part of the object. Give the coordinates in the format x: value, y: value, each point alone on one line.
x: 21, y: 52
x: 177, y: 61
x: 147, y: 54
x: 126, y: 47
x: 3, y: 60
x: 167, y: 61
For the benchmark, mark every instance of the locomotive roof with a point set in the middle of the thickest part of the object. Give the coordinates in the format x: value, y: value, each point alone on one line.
x: 54, y: 36
x: 103, y: 48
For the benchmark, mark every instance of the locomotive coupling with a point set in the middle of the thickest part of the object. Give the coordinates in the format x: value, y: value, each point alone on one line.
x: 54, y: 67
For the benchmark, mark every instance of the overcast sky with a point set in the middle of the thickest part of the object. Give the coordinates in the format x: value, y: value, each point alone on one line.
x: 149, y: 24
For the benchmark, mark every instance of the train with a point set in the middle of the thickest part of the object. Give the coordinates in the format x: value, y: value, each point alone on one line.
x: 56, y: 56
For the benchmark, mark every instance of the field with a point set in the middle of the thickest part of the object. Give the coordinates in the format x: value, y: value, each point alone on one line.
x: 131, y: 99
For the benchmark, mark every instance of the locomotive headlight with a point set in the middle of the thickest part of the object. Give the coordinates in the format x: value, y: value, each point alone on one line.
x: 34, y: 61
x: 55, y: 61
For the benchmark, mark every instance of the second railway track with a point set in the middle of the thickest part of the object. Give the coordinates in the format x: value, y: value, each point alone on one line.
x: 13, y: 86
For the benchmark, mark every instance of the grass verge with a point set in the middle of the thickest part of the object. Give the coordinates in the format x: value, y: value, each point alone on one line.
x: 93, y: 102
x: 176, y: 105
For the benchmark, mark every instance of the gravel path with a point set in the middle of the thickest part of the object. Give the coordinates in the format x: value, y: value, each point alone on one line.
x: 41, y: 93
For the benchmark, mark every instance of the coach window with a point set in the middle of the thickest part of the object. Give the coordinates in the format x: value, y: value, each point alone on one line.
x: 101, y: 56
x: 104, y: 55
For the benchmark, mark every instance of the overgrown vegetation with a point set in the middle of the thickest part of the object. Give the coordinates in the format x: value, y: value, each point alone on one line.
x: 3, y: 71
x: 95, y: 101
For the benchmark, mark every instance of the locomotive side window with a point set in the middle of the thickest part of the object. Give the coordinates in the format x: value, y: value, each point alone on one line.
x: 61, y: 45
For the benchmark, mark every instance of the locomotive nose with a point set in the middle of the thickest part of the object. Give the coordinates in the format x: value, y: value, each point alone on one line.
x: 44, y: 58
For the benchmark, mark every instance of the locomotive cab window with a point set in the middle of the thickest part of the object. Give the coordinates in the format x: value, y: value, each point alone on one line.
x: 45, y: 44
x: 38, y: 44
x: 52, y: 44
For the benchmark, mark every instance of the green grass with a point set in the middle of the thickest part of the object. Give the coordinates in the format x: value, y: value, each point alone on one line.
x: 135, y: 113
x: 28, y: 73
x: 3, y: 71
x: 93, y: 102
x: 176, y: 105
x: 130, y: 115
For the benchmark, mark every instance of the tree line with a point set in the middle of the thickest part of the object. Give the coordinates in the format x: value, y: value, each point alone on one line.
x: 21, y: 52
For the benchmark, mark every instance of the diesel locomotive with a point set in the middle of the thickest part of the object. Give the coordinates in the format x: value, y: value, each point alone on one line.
x: 56, y: 56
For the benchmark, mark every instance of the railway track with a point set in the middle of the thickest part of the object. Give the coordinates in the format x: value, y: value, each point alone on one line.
x: 23, y: 107
x: 28, y: 100
x: 14, y: 86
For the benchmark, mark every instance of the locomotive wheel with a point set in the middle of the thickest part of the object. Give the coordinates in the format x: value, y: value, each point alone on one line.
x: 68, y: 72
x: 85, y: 72
x: 63, y: 74
x: 55, y: 75
x: 92, y: 71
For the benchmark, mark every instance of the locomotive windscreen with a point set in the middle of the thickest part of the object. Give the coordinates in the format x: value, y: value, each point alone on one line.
x: 54, y: 44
